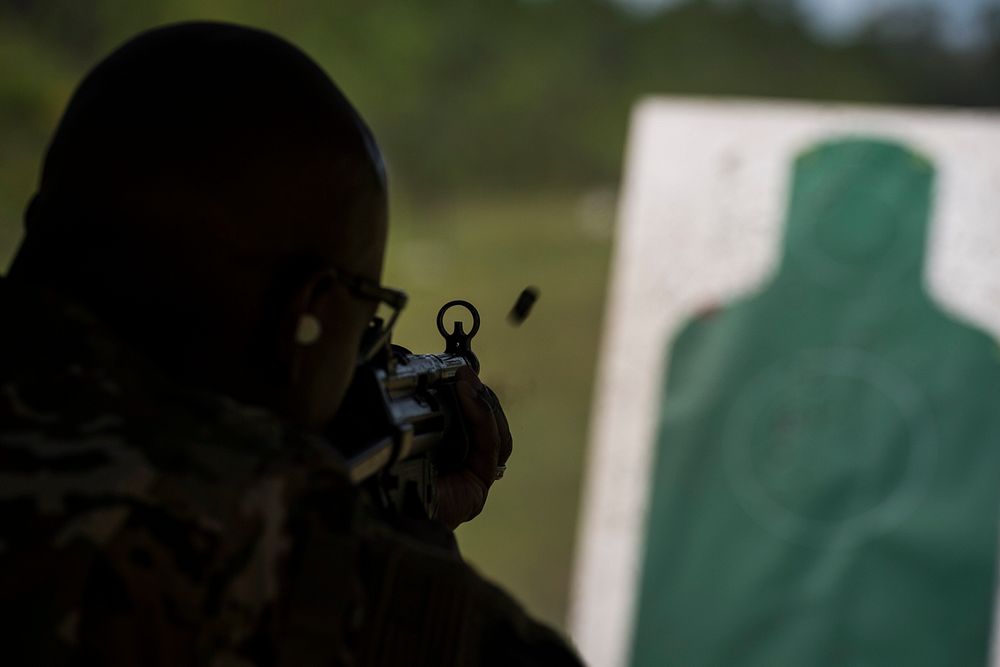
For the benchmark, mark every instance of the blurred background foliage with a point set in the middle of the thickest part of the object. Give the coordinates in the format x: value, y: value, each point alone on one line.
x: 504, y: 122
x: 466, y: 94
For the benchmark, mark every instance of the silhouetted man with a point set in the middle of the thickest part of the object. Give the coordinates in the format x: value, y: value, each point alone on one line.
x: 181, y: 322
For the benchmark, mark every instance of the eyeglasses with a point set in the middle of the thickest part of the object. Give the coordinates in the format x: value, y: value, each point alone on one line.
x: 390, y: 303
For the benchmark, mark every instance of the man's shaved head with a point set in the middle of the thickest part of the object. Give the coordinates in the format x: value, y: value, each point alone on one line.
x: 198, y: 173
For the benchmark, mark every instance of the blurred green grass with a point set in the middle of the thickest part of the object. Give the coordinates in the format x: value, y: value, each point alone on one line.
x: 486, y: 249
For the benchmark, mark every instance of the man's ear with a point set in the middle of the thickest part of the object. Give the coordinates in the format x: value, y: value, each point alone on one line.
x: 312, y: 307
x: 309, y: 316
x: 318, y: 358
x: 314, y: 304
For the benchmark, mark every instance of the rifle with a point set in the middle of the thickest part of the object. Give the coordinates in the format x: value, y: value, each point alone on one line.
x: 400, y: 424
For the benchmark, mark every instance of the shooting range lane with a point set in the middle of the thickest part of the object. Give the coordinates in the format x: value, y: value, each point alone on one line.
x: 701, y: 223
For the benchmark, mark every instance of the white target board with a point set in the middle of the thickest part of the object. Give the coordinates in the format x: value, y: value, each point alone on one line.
x: 798, y: 295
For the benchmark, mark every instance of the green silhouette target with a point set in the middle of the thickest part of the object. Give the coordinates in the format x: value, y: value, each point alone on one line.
x: 825, y: 483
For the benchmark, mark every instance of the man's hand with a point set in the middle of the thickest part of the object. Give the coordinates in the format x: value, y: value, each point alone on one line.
x: 461, y: 495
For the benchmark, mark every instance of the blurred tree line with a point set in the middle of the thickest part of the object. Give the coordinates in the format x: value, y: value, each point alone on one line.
x: 502, y: 94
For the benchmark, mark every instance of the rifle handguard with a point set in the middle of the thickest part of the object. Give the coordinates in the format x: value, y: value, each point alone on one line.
x: 400, y: 424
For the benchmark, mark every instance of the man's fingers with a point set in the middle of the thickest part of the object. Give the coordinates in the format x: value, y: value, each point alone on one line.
x: 482, y: 430
x: 489, y: 397
x: 503, y: 428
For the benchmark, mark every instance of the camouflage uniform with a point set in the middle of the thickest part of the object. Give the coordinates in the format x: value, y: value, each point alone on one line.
x: 145, y: 524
